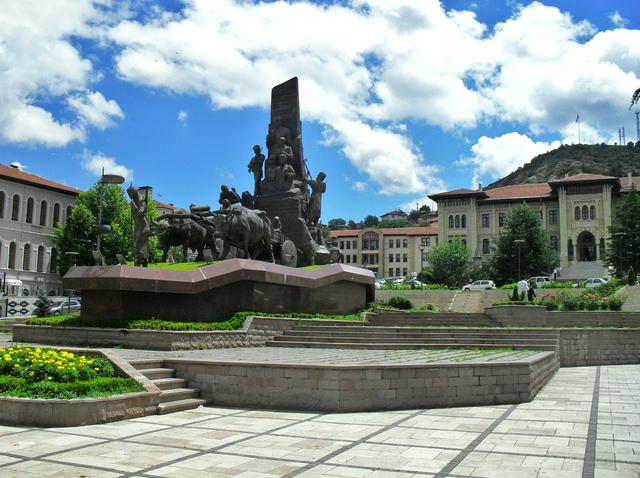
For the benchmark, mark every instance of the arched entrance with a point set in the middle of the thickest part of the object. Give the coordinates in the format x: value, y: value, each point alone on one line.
x: 586, y: 247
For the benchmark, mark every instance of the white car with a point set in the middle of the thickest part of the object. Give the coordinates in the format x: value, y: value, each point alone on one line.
x: 537, y: 281
x: 594, y: 282
x: 480, y: 285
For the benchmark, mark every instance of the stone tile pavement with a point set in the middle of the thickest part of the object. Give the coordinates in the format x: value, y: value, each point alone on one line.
x: 584, y: 423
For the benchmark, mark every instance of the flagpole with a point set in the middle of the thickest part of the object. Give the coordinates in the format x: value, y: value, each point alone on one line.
x: 578, y: 121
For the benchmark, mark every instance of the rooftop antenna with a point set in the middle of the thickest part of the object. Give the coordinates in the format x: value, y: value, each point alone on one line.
x: 619, y: 136
x: 624, y: 140
x: 637, y: 125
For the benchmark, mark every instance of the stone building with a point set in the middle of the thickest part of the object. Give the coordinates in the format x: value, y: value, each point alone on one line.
x: 395, y: 215
x: 392, y: 252
x: 576, y: 212
x: 30, y: 208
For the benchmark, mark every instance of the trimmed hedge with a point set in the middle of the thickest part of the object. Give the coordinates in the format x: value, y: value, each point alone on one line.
x: 97, y: 387
x: 399, y: 302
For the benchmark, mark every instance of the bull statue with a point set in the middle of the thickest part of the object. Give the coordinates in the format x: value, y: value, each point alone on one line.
x: 247, y: 229
x: 187, y: 231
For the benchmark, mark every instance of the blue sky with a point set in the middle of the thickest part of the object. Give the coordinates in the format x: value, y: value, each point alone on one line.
x: 399, y: 99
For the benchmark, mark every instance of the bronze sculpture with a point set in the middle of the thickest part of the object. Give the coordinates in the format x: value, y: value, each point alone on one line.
x: 255, y: 167
x: 141, y: 229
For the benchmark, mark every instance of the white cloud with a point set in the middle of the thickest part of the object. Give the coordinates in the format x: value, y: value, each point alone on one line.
x: 95, y: 162
x: 618, y: 20
x: 183, y: 116
x: 40, y: 65
x: 359, y: 186
x: 496, y: 157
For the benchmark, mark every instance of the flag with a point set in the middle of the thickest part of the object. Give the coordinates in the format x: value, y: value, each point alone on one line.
x: 578, y: 117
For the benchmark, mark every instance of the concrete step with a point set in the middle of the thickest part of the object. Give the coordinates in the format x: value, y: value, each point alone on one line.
x: 144, y: 364
x: 435, y: 332
x: 434, y: 340
x: 404, y: 346
x: 176, y: 394
x: 180, y: 405
x: 169, y: 383
x: 155, y: 373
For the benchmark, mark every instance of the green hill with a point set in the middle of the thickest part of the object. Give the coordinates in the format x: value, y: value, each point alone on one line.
x: 573, y: 159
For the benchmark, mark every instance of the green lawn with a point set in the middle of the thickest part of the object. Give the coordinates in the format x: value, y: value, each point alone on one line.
x: 187, y: 266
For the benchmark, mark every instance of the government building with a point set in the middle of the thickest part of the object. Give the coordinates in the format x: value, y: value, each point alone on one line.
x: 390, y: 252
x: 576, y: 213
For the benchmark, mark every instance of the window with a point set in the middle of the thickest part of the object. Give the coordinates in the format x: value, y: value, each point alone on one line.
x: 69, y: 209
x: 457, y: 221
x: 354, y: 243
x: 592, y: 213
x: 501, y: 217
x: 56, y: 215
x: 2, y: 197
x: 15, y: 208
x: 553, y: 217
x: 427, y: 241
x: 585, y: 213
x: 397, y: 257
x: 553, y: 241
x: 485, y: 246
x: 397, y: 272
x: 53, y: 267
x: 43, y: 213
x: 450, y: 222
x: 577, y: 213
x: 390, y: 274
x: 398, y: 243
x: 463, y: 220
x: 390, y: 257
x: 29, y: 218
x: 404, y: 271
x: 26, y: 258
x: 348, y: 244
x: 405, y: 243
x: 405, y: 257
x: 348, y: 259
x: 342, y: 245
x: 40, y: 260
x: 485, y: 220
x: 390, y: 243
x: 370, y: 241
x: 12, y: 256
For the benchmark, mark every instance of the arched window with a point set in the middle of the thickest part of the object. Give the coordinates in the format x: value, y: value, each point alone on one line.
x: 463, y: 219
x: 29, y: 218
x: 577, y: 213
x: 457, y: 221
x: 53, y: 267
x: 43, y: 213
x: 2, y: 198
x: 585, y: 213
x: 12, y: 256
x: 56, y: 215
x: 592, y: 213
x: 450, y: 222
x: 26, y: 258
x: 69, y: 209
x: 15, y: 208
x: 485, y: 246
x: 40, y: 260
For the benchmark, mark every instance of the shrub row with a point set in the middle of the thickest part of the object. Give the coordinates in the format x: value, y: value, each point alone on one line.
x: 97, y: 387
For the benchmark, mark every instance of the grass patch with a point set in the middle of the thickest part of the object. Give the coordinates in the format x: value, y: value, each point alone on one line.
x: 178, y: 266
x: 310, y: 268
x: 97, y: 387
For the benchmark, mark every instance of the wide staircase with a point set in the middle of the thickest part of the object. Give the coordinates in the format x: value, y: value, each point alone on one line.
x: 584, y: 270
x: 632, y: 304
x: 175, y: 394
x: 426, y: 319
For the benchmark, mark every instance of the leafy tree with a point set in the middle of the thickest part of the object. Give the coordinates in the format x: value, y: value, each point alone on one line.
x: 371, y: 221
x: 353, y: 224
x: 79, y: 234
x: 624, y: 236
x: 415, y: 214
x: 336, y: 222
x: 448, y: 264
x: 635, y: 98
x: 394, y: 223
x: 536, y: 255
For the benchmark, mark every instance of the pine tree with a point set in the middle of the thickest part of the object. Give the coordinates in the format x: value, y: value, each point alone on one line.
x: 624, y: 236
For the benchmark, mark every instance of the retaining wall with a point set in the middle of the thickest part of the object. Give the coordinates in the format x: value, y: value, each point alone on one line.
x: 536, y: 315
x: 579, y: 347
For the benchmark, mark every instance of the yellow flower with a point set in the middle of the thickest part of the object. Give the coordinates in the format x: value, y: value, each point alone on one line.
x: 31, y: 374
x: 49, y: 378
x: 96, y: 369
x: 17, y: 365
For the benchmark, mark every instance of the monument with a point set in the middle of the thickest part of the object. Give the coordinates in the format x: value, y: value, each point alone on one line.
x: 141, y: 229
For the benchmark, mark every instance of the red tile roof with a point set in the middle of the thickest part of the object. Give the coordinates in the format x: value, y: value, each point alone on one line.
x: 17, y: 175
x: 431, y: 230
x: 584, y: 177
x: 520, y: 191
x: 635, y: 180
x: 457, y: 192
x: 165, y: 205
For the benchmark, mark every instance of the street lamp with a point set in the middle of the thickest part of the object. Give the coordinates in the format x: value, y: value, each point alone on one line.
x: 518, y: 243
x: 104, y: 228
x: 422, y: 248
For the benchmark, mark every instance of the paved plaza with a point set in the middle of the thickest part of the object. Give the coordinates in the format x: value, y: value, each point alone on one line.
x: 584, y: 423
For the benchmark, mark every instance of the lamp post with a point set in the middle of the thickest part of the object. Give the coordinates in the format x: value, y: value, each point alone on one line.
x: 104, y: 228
x: 518, y: 243
x: 422, y: 248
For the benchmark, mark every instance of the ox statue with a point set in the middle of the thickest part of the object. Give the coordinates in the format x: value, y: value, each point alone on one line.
x: 187, y: 231
x: 247, y: 229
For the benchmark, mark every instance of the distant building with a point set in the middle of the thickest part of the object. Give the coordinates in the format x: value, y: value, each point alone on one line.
x: 164, y: 208
x: 391, y: 252
x: 576, y: 212
x: 394, y: 215
x: 30, y: 208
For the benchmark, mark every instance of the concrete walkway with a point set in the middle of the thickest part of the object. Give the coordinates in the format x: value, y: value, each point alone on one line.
x: 584, y: 423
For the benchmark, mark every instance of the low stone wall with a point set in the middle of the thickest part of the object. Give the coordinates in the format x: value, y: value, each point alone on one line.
x: 87, y: 411
x: 579, y: 347
x: 365, y: 388
x: 536, y: 315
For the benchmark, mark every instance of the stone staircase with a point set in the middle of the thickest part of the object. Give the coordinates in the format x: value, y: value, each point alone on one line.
x: 175, y: 395
x: 632, y: 304
x: 584, y: 270
x: 426, y: 319
x: 467, y: 302
x: 380, y: 337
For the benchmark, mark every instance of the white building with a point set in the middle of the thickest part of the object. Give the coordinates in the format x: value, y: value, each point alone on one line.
x: 30, y: 208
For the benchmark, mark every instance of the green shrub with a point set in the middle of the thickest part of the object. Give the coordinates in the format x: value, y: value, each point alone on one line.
x: 631, y: 276
x: 549, y: 302
x: 399, y: 302
x: 515, y: 296
x: 511, y: 285
x: 556, y: 285
x: 616, y: 302
x: 568, y: 301
x: 436, y: 287
x: 97, y: 387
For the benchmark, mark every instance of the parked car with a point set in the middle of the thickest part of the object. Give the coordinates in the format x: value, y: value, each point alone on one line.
x: 483, y: 284
x: 594, y: 282
x: 64, y: 307
x: 537, y: 280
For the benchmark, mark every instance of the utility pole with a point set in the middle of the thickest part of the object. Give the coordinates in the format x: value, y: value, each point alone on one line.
x: 637, y: 125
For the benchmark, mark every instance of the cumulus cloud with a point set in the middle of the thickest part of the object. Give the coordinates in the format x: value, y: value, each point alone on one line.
x: 96, y: 162
x: 618, y: 20
x: 40, y: 65
x: 182, y: 117
x: 359, y: 186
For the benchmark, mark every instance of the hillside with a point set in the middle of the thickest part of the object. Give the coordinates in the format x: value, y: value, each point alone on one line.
x: 573, y: 159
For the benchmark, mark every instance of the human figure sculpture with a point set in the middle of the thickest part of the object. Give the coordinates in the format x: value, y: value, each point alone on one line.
x: 276, y: 132
x: 255, y: 167
x: 247, y: 200
x: 141, y: 229
x: 229, y: 195
x: 276, y: 162
x: 318, y: 188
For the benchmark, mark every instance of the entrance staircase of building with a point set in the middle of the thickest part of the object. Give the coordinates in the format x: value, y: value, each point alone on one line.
x: 583, y: 270
x: 175, y: 395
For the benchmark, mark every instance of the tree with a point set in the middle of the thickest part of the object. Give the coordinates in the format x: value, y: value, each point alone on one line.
x: 353, y: 224
x: 79, y: 233
x: 448, y: 264
x: 635, y: 98
x: 534, y: 255
x: 335, y: 223
x: 417, y: 213
x: 624, y: 236
x: 394, y: 223
x: 371, y: 221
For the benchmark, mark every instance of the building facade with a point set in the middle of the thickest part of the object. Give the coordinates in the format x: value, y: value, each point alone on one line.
x: 392, y: 252
x: 576, y: 212
x: 30, y: 208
